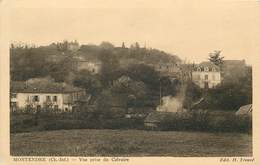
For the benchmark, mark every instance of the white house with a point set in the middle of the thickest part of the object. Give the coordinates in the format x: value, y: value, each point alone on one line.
x: 42, y: 94
x: 93, y: 67
x: 206, y: 75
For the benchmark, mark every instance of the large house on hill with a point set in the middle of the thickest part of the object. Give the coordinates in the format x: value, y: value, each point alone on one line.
x: 206, y: 75
x: 169, y: 68
x: 91, y: 64
x: 44, y: 94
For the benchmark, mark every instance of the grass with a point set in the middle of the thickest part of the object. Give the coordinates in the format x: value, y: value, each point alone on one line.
x: 91, y: 142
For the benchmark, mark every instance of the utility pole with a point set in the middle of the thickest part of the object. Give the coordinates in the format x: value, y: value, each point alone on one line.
x: 160, y: 92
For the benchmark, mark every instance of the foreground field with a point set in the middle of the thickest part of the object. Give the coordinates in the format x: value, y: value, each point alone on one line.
x: 129, y: 143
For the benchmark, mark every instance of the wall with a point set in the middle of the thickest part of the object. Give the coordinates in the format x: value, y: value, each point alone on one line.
x: 199, y: 78
x: 22, y: 99
x: 64, y: 100
x: 92, y: 67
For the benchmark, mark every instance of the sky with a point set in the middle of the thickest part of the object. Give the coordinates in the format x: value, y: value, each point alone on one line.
x: 189, y: 29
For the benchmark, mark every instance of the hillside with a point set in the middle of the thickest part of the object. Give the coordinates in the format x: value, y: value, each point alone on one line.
x: 58, y: 59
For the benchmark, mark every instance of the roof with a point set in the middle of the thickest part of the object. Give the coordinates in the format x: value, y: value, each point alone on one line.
x: 42, y: 87
x: 244, y: 110
x: 210, y: 65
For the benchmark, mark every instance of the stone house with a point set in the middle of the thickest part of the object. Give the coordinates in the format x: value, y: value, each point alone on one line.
x: 206, y: 75
x: 44, y: 94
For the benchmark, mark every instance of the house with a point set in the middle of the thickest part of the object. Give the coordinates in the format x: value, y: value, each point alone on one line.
x: 73, y: 46
x: 93, y: 66
x: 206, y: 75
x: 166, y: 69
x: 44, y: 94
x: 154, y: 119
x: 245, y: 110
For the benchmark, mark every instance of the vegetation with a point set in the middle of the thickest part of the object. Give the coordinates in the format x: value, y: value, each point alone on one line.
x: 91, y: 142
x: 210, y: 121
x: 111, y: 118
x: 122, y: 85
x: 57, y: 59
x: 58, y: 62
x: 215, y: 58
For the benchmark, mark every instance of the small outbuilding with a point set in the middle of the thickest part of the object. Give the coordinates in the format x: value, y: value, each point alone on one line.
x: 245, y: 110
x: 153, y: 119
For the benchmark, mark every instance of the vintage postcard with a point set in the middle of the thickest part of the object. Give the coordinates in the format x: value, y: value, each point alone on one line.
x: 133, y: 82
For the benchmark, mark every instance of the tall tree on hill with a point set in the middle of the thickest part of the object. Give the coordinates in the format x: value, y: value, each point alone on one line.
x: 109, y: 67
x: 123, y: 45
x: 216, y: 58
x: 106, y: 45
x: 63, y: 46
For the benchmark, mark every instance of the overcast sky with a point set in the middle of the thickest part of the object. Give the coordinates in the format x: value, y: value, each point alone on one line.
x: 190, y: 30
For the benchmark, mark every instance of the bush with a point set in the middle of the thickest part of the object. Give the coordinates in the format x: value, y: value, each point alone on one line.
x: 206, y: 121
x: 48, y: 120
x: 188, y: 121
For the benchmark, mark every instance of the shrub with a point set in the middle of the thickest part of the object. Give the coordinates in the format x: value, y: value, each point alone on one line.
x: 207, y: 121
x: 191, y: 121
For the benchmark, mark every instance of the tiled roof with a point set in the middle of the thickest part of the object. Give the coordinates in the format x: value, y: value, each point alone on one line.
x: 210, y: 65
x: 42, y: 87
x: 243, y: 110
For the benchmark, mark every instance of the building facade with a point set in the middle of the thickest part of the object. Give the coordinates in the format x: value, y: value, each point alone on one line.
x: 206, y: 75
x: 92, y: 67
x: 53, y: 95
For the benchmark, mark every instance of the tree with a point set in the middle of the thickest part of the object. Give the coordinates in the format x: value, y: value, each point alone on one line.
x: 106, y: 45
x: 215, y: 58
x: 137, y: 46
x: 132, y: 92
x: 230, y: 95
x: 88, y: 81
x: 144, y: 73
x: 63, y: 46
x: 110, y: 65
x: 123, y: 45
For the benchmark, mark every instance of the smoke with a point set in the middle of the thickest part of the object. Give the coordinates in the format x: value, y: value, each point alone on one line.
x: 173, y: 103
x: 170, y: 104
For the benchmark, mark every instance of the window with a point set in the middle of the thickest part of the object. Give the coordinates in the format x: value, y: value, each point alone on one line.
x: 199, y: 69
x: 56, y: 107
x: 206, y: 69
x: 13, y: 106
x: 13, y: 95
x: 55, y: 98
x: 36, y: 98
x: 48, y: 98
x: 206, y: 77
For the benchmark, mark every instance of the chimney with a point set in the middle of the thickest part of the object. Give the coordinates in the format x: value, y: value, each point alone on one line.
x: 26, y: 84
